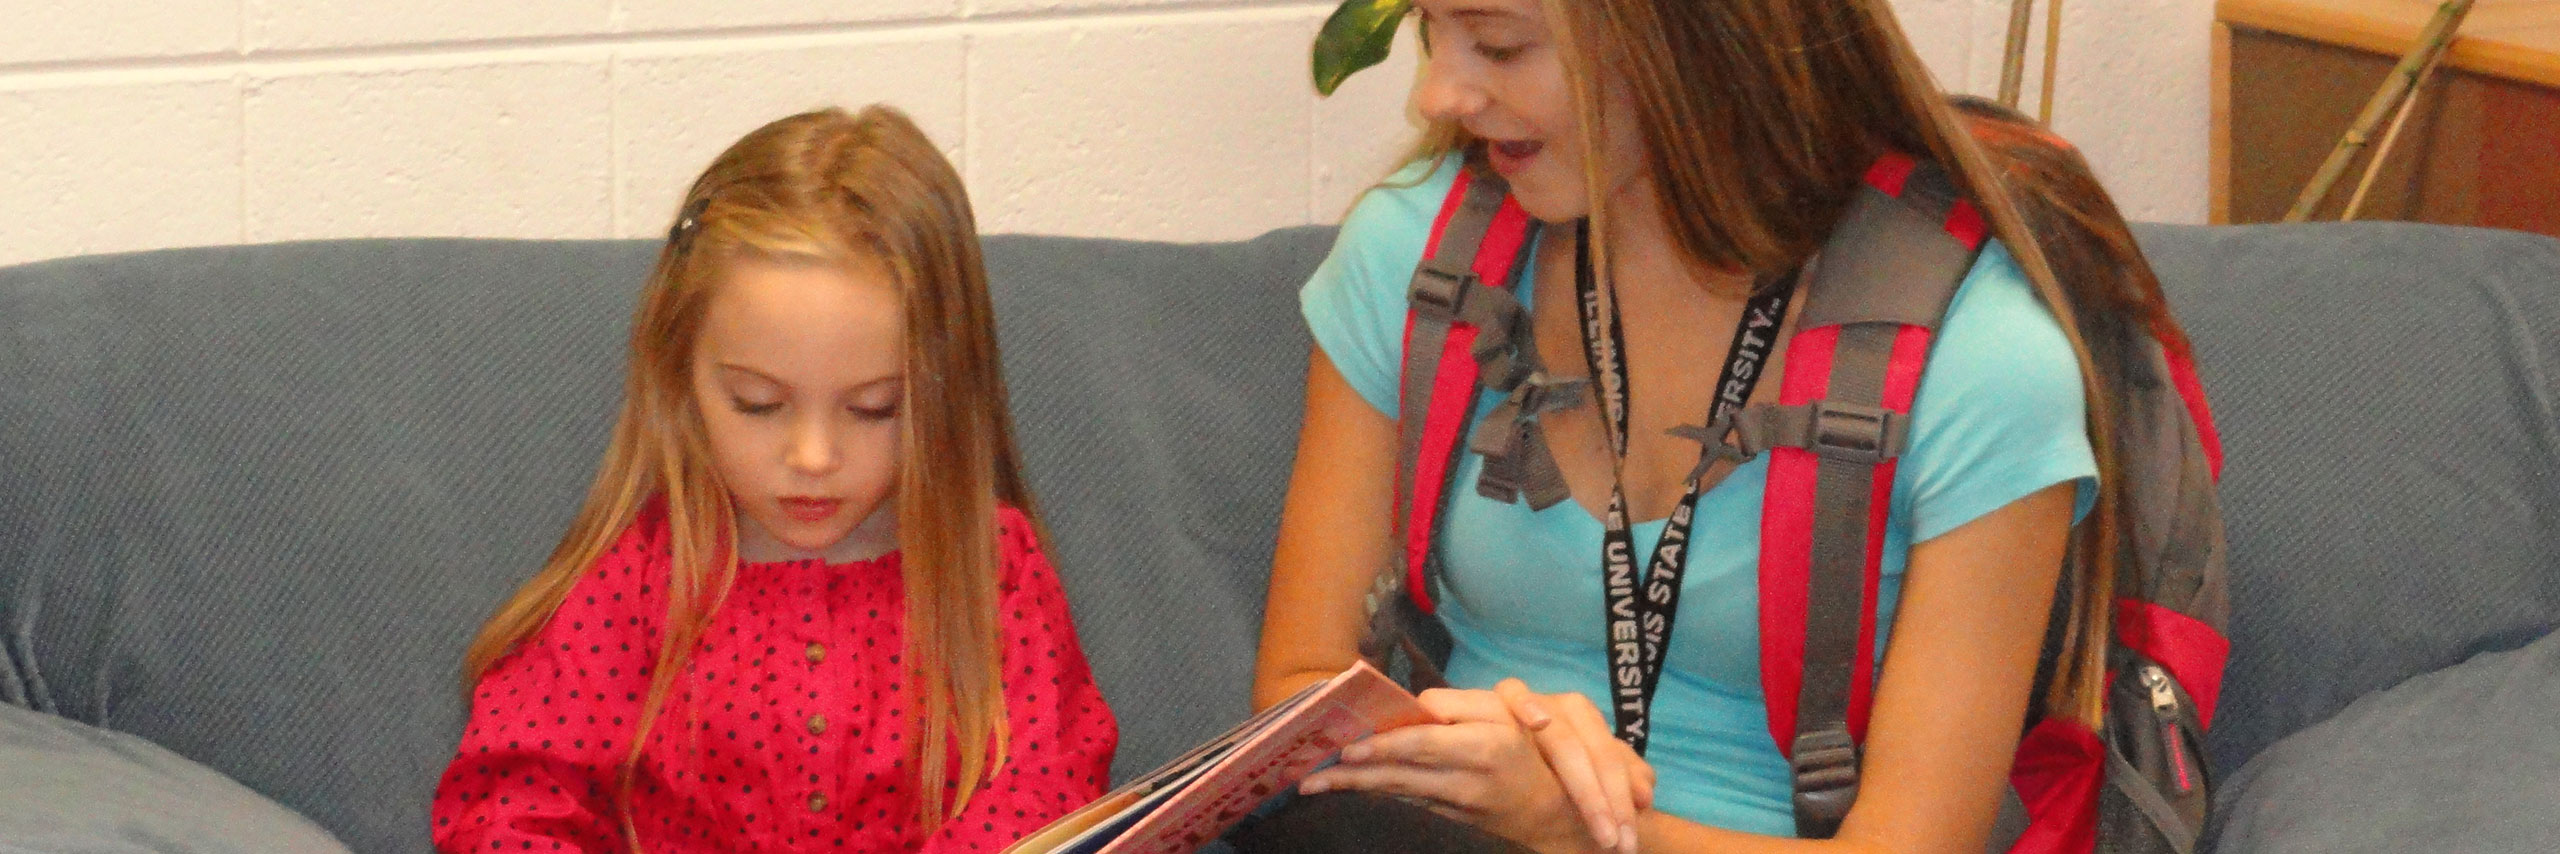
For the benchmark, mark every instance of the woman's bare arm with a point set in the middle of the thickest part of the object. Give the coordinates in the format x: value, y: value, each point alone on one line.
x: 1333, y: 538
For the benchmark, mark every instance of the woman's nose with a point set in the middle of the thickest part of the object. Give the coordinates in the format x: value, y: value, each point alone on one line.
x: 1447, y: 92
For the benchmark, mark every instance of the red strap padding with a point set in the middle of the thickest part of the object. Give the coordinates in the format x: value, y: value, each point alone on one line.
x: 1964, y: 223
x: 1890, y: 172
x: 1786, y: 539
x: 1901, y: 386
x: 2182, y: 373
x: 1786, y: 533
x: 1787, y: 505
x: 1453, y: 385
x: 2059, y: 767
x: 2190, y: 650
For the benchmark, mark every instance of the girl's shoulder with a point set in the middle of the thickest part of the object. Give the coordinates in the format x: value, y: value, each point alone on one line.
x: 1018, y: 544
x: 632, y: 569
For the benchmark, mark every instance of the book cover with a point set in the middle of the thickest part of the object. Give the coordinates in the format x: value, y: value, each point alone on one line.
x: 1191, y: 800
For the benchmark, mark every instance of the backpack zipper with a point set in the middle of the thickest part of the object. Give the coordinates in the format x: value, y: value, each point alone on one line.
x: 2164, y: 706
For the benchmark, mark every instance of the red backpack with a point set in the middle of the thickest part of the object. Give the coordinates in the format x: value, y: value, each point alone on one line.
x: 1888, y: 273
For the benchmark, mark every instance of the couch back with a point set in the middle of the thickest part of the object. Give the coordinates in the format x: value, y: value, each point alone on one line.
x: 255, y: 500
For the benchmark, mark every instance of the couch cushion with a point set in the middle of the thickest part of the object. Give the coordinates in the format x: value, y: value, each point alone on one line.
x: 2392, y: 495
x: 260, y: 497
x: 72, y: 788
x: 1157, y: 389
x: 2461, y: 759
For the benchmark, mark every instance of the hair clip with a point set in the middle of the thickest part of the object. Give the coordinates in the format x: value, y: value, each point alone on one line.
x: 688, y: 222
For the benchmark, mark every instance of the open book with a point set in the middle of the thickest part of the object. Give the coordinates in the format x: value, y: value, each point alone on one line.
x: 1181, y: 806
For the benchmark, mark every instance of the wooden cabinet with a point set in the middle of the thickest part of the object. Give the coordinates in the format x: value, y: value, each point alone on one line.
x: 2482, y: 146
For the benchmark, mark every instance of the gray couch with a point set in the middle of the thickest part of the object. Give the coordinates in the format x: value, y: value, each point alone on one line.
x: 253, y: 501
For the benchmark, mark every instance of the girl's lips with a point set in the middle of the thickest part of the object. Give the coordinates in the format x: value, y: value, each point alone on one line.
x: 1511, y: 157
x: 810, y: 509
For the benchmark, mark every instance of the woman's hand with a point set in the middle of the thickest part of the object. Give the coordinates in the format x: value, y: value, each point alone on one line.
x: 1486, y: 768
x: 1608, y: 782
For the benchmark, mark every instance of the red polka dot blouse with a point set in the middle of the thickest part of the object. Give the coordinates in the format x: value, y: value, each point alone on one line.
x: 790, y: 730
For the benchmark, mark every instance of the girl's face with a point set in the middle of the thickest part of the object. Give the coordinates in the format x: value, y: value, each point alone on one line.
x: 798, y: 375
x: 1494, y: 68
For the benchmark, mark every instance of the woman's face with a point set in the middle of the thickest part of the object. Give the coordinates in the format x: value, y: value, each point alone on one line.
x: 1494, y: 67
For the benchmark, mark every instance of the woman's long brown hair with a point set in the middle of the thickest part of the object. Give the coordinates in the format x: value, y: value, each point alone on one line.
x: 2084, y: 235
x: 1758, y: 121
x: 2092, y: 251
x: 834, y: 188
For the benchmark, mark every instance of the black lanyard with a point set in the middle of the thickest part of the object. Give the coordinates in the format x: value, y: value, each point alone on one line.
x: 1639, y: 627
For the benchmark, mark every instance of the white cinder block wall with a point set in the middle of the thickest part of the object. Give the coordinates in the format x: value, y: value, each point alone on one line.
x: 138, y: 124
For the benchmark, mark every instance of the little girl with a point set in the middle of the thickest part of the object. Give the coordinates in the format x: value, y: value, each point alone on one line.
x: 804, y: 605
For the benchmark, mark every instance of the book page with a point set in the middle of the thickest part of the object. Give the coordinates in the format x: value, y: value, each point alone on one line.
x: 1108, y: 815
x: 1344, y: 709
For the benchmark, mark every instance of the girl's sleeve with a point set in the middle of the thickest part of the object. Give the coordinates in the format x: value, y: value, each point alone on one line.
x: 549, y: 724
x: 1060, y: 735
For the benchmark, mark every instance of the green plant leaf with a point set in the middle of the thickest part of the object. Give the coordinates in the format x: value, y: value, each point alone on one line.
x: 1355, y: 37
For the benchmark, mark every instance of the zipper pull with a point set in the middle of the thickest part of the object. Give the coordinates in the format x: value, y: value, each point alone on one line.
x: 2164, y: 702
x: 2164, y: 698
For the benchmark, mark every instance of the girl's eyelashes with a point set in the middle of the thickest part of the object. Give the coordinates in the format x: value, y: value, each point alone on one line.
x: 880, y: 412
x: 1500, y: 53
x: 867, y: 413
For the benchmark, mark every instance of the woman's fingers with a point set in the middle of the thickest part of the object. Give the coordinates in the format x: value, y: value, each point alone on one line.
x: 1523, y: 703
x: 1461, y: 793
x: 1586, y: 718
x: 1449, y: 764
x: 1644, y: 787
x: 1569, y: 755
x: 1457, y: 705
x: 1457, y: 747
x: 1500, y: 745
x: 1616, y: 764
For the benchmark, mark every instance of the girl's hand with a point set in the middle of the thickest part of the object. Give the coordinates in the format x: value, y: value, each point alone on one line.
x: 1608, y: 782
x: 1483, y: 768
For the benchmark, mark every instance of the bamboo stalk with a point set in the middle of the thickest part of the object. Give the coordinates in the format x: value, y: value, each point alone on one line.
x: 2052, y: 59
x: 2431, y: 44
x: 2013, y: 58
x: 2390, y: 139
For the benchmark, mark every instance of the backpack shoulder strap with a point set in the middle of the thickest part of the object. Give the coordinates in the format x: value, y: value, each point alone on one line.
x: 1461, y: 286
x: 1878, y: 290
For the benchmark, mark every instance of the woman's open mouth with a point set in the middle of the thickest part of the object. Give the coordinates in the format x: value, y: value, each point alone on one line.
x: 1510, y: 157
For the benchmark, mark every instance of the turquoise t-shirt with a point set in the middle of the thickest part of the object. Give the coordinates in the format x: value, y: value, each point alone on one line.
x: 1999, y: 416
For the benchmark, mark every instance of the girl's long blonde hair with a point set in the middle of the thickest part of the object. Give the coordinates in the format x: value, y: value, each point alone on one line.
x: 1758, y: 121
x: 837, y: 188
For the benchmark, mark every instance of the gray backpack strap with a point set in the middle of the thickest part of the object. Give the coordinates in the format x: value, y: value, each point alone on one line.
x: 1878, y: 290
x: 1447, y: 291
x: 1848, y: 433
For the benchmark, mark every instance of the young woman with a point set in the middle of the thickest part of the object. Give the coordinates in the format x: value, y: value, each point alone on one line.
x: 805, y: 605
x: 1685, y: 157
